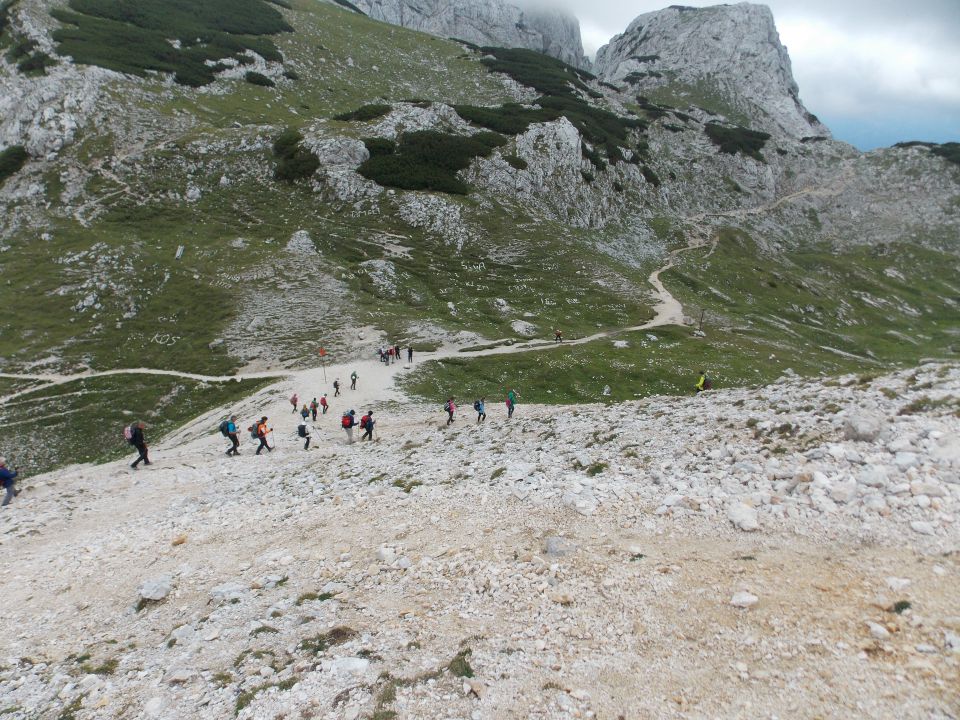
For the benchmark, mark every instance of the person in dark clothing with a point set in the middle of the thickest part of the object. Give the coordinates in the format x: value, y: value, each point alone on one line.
x: 366, y: 424
x: 451, y: 408
x: 409, y: 354
x: 232, y: 434
x: 313, y: 409
x: 353, y: 380
x: 396, y: 352
x: 336, y: 387
x: 9, y: 477
x: 481, y: 407
x: 262, y: 432
x: 140, y: 444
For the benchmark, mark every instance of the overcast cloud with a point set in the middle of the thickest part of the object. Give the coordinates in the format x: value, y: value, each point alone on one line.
x: 875, y: 71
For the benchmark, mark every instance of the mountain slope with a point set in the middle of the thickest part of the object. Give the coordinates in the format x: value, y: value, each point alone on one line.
x: 569, y: 194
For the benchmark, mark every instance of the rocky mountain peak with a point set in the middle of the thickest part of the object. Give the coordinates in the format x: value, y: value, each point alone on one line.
x: 486, y: 22
x: 725, y: 58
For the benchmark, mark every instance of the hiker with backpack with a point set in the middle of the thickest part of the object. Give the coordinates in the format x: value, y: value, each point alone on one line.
x: 353, y: 380
x: 703, y: 383
x: 409, y: 354
x: 347, y: 422
x: 305, y: 430
x: 366, y: 424
x: 137, y: 440
x: 305, y: 412
x: 294, y: 400
x: 481, y: 407
x: 450, y: 409
x: 313, y: 409
x: 558, y: 336
x: 336, y: 387
x: 511, y: 402
x: 9, y: 477
x: 324, y: 404
x: 390, y: 355
x: 228, y: 428
x: 259, y: 431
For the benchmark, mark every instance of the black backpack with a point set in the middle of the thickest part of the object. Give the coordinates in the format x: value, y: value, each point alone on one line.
x: 225, y: 428
x: 302, y: 430
x: 476, y: 406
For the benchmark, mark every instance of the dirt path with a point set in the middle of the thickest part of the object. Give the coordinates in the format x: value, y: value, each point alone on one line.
x: 667, y: 311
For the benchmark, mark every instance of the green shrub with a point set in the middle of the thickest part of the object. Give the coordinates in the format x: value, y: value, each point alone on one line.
x: 132, y: 36
x: 287, y: 143
x: 12, y: 160
x: 948, y: 151
x: 255, y: 78
x: 364, y: 113
x: 37, y: 63
x: 294, y: 162
x: 430, y: 160
x: 588, y: 177
x: 732, y: 140
x: 518, y: 162
x: 21, y: 49
x: 377, y: 147
x: 650, y: 176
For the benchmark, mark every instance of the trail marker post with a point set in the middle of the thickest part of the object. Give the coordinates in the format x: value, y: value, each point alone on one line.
x: 323, y: 354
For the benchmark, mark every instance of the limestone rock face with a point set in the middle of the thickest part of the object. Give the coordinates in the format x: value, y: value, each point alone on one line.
x: 486, y: 22
x: 729, y: 54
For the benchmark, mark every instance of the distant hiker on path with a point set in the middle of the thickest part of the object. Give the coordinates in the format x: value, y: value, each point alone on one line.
x: 294, y: 401
x: 336, y: 387
x: 229, y: 430
x: 557, y: 336
x: 366, y: 424
x: 9, y: 477
x: 450, y: 408
x: 353, y: 380
x: 390, y: 355
x: 481, y: 407
x: 396, y: 352
x: 704, y: 383
x: 324, y: 404
x: 511, y: 402
x: 305, y: 412
x: 305, y: 430
x: 347, y: 422
x: 138, y: 441
x: 313, y: 409
x: 261, y: 431
x: 409, y: 354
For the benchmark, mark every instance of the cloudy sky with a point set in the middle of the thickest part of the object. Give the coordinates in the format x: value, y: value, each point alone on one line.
x: 875, y: 71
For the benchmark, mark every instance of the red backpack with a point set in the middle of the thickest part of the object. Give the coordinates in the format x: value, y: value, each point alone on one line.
x: 347, y: 421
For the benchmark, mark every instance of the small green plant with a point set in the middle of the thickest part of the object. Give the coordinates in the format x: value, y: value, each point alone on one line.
x: 222, y: 678
x: 596, y: 468
x: 900, y: 606
x: 324, y: 641
x: 497, y: 473
x: 12, y: 159
x: 460, y: 666
x: 294, y: 162
x: 246, y: 697
x: 255, y: 78
x: 364, y: 113
x: 406, y: 485
x: 311, y: 596
x: 263, y: 629
x: 107, y: 667
x: 516, y: 162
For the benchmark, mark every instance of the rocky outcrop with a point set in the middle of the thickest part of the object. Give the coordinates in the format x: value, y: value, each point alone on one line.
x: 486, y: 22
x: 727, y: 58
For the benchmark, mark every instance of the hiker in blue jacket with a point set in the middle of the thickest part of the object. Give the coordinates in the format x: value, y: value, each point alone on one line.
x: 9, y: 477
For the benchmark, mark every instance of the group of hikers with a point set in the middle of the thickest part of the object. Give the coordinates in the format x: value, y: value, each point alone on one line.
x: 480, y: 406
x: 391, y: 354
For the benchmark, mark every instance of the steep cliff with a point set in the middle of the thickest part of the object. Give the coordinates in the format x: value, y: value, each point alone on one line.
x: 486, y: 22
x: 727, y: 58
